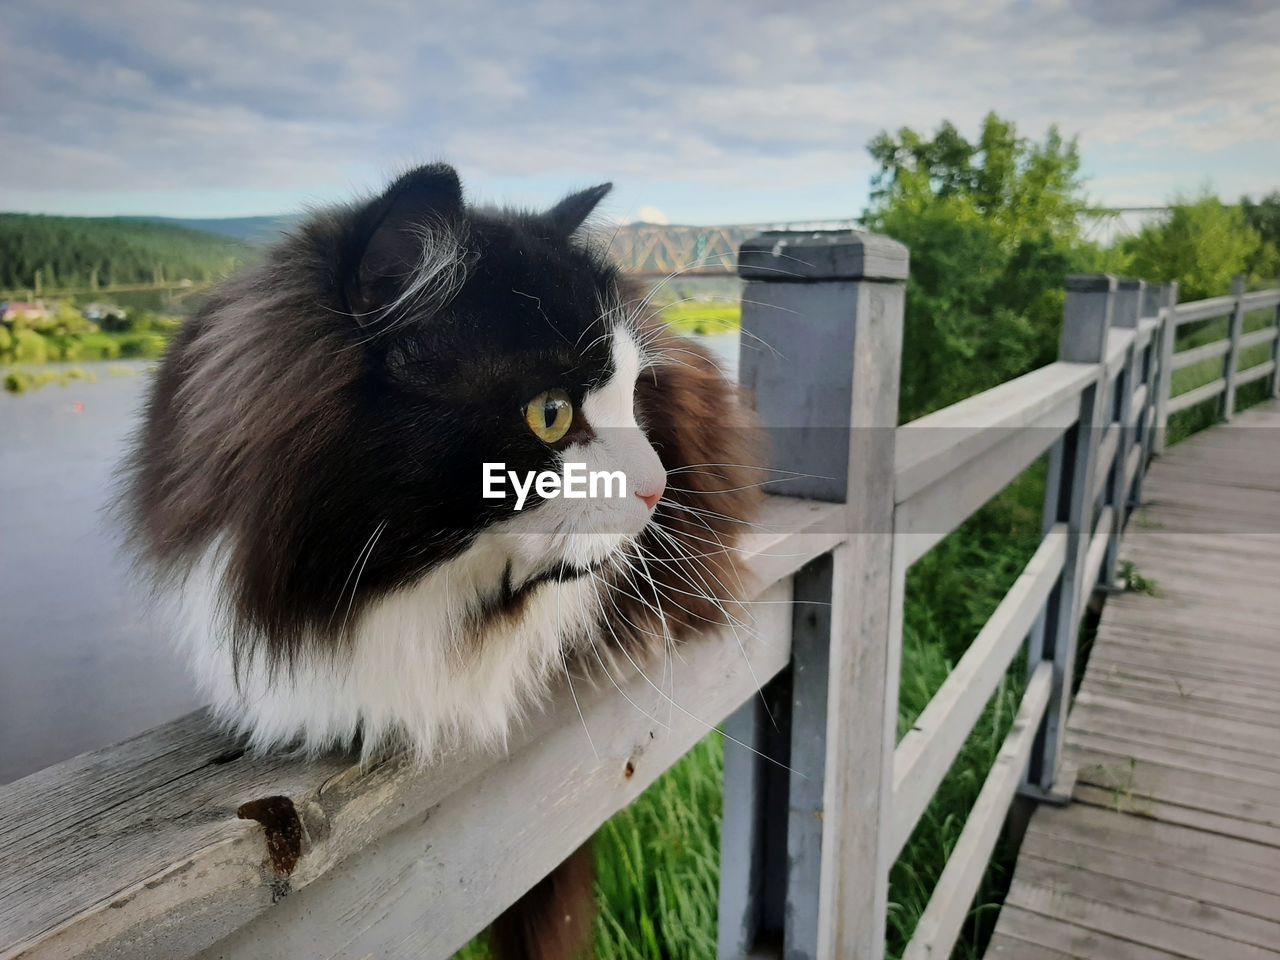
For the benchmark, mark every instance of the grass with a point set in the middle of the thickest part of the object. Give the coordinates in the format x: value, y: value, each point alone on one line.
x: 704, y: 318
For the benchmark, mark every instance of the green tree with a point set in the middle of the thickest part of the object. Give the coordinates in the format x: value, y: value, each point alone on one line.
x: 1202, y: 244
x: 994, y: 228
x: 1264, y: 217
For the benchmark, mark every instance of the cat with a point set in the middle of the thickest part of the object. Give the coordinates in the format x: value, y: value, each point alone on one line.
x: 306, y: 486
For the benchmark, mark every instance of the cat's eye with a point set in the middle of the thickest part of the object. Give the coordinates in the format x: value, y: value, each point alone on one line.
x: 549, y: 415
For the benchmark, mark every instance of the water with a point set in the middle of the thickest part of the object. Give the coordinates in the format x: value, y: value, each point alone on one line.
x: 82, y: 662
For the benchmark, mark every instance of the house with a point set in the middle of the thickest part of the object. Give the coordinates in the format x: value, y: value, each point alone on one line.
x: 24, y: 310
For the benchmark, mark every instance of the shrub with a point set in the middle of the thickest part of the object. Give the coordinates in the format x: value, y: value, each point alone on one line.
x: 29, y: 347
x: 143, y: 345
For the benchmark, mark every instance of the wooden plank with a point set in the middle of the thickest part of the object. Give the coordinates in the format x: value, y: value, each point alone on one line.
x: 930, y: 514
x: 1003, y: 947
x: 1157, y: 808
x: 1124, y: 857
x: 1260, y: 299
x: 935, y: 445
x: 1106, y: 455
x: 1212, y: 854
x: 940, y: 924
x: 1138, y: 404
x: 1257, y: 372
x: 1118, y: 343
x: 1196, y: 310
x: 1258, y: 337
x: 1208, y: 351
x: 1077, y: 942
x: 926, y: 752
x: 1096, y: 554
x: 1195, y: 912
x: 1199, y: 395
x: 1115, y: 919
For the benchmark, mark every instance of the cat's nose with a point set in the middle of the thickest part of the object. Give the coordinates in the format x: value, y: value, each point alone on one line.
x: 650, y: 499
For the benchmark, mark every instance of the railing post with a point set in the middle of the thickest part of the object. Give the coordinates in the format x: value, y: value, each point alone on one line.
x: 1152, y: 300
x: 1275, y: 353
x: 830, y: 307
x: 1127, y: 305
x: 1168, y: 339
x: 1069, y: 499
x: 1232, y: 361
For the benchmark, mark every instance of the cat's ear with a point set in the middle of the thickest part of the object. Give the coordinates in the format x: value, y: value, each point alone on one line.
x: 388, y: 239
x: 571, y: 212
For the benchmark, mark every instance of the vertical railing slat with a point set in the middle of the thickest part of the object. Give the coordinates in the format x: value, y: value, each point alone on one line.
x: 1069, y: 499
x: 1231, y: 364
x: 1168, y: 340
x: 821, y: 358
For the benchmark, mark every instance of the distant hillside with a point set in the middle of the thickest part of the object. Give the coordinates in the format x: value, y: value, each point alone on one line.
x: 68, y: 250
x: 252, y: 230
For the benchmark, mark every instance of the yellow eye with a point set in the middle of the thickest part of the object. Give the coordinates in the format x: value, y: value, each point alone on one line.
x: 549, y: 415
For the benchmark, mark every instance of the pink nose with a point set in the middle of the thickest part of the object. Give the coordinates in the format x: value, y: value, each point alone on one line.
x: 650, y: 500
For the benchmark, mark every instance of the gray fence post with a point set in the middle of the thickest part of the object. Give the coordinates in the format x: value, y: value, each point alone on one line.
x: 1069, y: 499
x: 1150, y: 374
x: 1232, y: 362
x: 1127, y: 306
x: 1275, y: 352
x: 1168, y: 340
x: 829, y: 305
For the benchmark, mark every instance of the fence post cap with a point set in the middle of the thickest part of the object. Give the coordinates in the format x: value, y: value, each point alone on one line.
x: 789, y: 256
x: 1091, y: 283
x: 1130, y: 284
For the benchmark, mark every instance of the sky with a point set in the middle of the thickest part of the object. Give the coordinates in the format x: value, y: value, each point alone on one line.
x: 747, y: 111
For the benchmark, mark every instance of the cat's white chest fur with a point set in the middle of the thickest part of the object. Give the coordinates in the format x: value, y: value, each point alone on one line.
x: 413, y: 670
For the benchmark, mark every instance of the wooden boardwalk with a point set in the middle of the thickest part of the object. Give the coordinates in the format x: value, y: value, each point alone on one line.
x: 1171, y: 847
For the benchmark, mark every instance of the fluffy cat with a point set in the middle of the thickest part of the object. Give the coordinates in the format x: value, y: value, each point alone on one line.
x: 307, y: 486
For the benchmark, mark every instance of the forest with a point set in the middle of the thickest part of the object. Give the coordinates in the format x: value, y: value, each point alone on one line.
x: 74, y: 252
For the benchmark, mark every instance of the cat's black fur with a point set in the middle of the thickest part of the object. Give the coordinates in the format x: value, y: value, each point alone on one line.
x: 321, y: 391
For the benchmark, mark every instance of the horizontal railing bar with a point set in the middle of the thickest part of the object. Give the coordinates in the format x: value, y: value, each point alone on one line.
x: 1261, y: 299
x: 926, y: 753
x: 1208, y: 351
x: 1093, y: 558
x: 940, y: 924
x: 1146, y: 330
x: 140, y: 833
x: 1203, y: 309
x: 1138, y: 404
x: 1118, y: 343
x: 935, y: 445
x: 1199, y: 395
x: 1106, y: 454
x: 930, y: 514
x: 1256, y: 372
x: 1258, y: 337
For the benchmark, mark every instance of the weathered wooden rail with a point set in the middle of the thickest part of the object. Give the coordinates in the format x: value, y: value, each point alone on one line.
x: 178, y: 844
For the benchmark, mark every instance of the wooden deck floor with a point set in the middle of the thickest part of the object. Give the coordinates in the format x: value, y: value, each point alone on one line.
x: 1171, y: 847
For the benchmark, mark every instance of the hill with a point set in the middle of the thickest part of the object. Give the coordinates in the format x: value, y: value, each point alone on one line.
x: 70, y: 251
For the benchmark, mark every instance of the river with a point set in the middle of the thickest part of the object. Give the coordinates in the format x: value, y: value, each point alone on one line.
x: 83, y: 663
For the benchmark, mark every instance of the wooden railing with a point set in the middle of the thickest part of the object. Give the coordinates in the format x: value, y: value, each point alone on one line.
x: 179, y: 844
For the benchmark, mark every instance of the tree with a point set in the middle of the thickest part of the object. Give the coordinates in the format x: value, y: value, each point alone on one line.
x: 993, y: 227
x: 1264, y: 217
x: 1202, y: 244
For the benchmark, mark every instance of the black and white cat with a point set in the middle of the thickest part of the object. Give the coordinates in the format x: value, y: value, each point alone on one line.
x: 307, y: 486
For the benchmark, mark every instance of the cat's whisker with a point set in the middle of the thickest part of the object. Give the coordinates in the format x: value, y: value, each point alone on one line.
x: 368, y: 544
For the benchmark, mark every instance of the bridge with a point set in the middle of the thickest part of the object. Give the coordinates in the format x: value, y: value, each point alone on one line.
x: 1154, y: 832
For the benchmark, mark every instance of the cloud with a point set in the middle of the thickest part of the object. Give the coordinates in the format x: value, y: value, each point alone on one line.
x: 743, y: 105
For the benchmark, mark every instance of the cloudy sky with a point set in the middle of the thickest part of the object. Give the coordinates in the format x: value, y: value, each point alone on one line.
x: 733, y: 111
